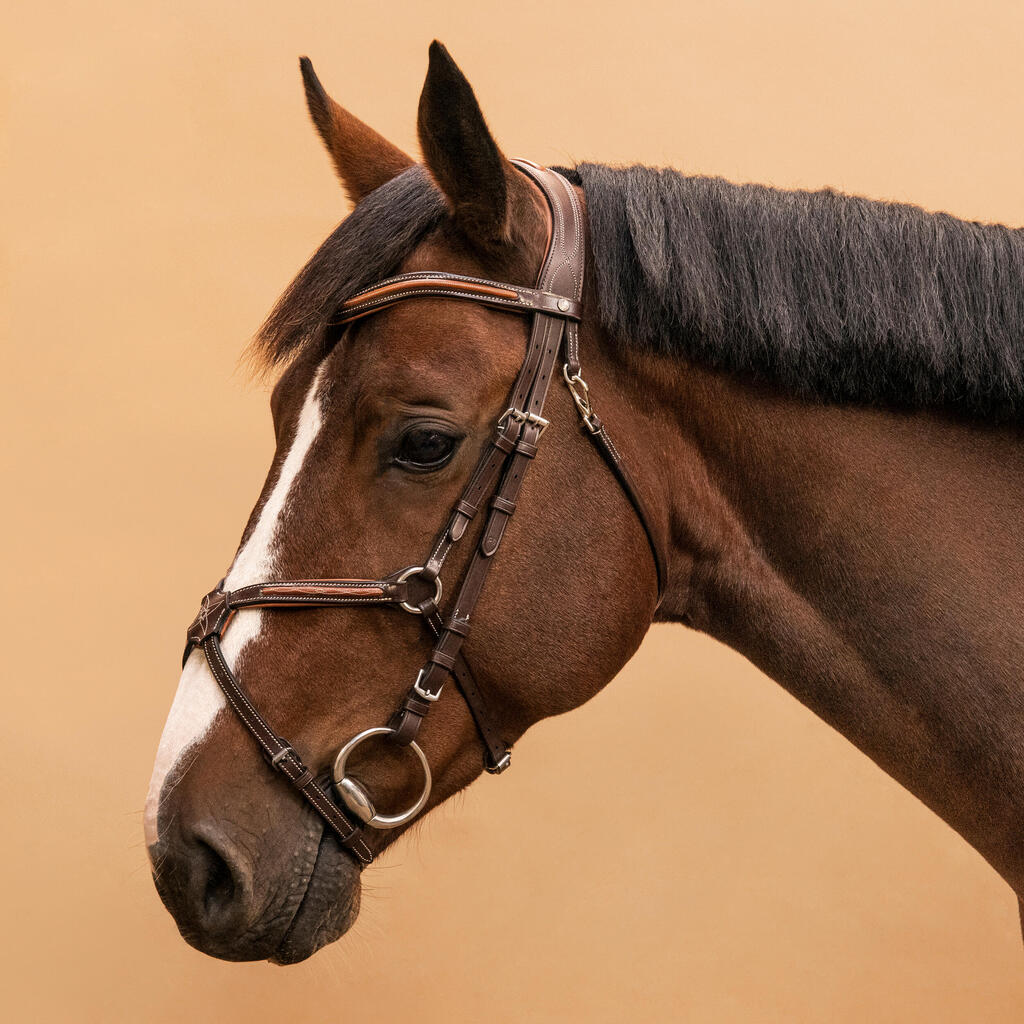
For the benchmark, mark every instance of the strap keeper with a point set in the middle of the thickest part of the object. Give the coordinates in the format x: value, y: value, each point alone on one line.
x: 415, y: 704
x: 525, y: 448
x: 504, y: 443
x: 503, y: 504
x: 458, y: 626
x: 444, y: 660
x: 304, y: 779
x: 406, y: 725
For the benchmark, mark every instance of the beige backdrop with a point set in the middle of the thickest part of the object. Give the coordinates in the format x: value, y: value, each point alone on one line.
x: 162, y: 186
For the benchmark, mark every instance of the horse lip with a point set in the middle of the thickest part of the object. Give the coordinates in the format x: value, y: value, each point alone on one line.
x: 325, y: 924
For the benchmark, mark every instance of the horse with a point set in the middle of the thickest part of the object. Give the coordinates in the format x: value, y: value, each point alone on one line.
x: 818, y: 396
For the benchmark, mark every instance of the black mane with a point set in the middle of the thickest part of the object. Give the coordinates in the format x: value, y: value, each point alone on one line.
x: 832, y: 296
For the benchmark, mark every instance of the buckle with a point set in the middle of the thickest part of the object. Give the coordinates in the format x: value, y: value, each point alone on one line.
x: 497, y: 769
x: 425, y: 694
x: 275, y: 761
x: 518, y: 416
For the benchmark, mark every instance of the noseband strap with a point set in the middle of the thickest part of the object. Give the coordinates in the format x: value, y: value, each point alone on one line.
x: 492, y: 492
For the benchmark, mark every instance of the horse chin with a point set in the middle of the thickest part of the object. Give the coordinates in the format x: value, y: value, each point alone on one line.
x: 328, y: 909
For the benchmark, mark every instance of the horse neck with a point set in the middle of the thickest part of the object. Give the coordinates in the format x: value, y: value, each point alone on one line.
x: 868, y: 561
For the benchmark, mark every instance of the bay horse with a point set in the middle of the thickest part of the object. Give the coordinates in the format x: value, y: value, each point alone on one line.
x: 819, y: 398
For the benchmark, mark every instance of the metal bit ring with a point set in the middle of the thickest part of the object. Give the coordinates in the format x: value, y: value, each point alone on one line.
x: 354, y: 796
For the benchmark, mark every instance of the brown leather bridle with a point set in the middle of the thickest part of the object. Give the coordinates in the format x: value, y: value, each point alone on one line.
x: 556, y: 309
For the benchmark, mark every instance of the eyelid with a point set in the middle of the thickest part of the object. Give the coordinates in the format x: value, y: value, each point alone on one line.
x: 430, y: 422
x: 447, y: 430
x: 441, y: 426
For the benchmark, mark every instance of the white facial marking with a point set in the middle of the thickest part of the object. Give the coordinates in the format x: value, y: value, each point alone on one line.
x: 199, y: 698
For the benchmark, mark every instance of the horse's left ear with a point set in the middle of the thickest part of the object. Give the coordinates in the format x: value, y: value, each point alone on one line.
x: 363, y: 159
x: 482, y: 186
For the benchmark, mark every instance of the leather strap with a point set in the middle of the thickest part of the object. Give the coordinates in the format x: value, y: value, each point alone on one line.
x: 440, y: 284
x: 611, y: 455
x: 279, y: 753
x: 561, y: 273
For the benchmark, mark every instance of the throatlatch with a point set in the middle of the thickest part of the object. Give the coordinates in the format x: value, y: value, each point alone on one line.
x: 495, y: 482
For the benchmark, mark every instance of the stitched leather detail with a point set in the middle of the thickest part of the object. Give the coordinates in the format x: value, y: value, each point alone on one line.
x: 322, y: 590
x: 439, y: 284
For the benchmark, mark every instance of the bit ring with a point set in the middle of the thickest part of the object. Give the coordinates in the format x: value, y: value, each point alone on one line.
x: 354, y: 796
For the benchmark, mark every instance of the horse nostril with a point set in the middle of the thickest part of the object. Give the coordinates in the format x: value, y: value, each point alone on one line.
x: 218, y: 893
x: 209, y: 884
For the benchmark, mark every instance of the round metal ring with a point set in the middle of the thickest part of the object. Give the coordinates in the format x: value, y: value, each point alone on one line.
x: 415, y: 570
x: 355, y: 797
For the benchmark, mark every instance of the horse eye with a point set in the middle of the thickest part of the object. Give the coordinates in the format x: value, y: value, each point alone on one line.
x: 425, y: 449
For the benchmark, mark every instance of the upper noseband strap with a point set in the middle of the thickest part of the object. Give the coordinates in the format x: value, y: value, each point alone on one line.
x: 219, y: 605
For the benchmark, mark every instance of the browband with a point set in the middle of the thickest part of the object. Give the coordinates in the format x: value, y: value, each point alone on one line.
x: 456, y: 286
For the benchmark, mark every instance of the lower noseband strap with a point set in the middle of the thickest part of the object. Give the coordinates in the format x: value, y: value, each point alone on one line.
x: 281, y: 755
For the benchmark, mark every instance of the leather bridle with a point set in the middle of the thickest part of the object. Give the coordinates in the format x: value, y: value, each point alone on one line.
x: 555, y: 305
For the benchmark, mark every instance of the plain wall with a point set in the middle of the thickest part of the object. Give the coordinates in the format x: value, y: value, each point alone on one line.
x: 163, y: 184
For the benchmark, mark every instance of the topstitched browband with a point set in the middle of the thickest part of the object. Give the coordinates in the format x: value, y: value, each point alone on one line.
x: 455, y: 286
x: 498, y: 476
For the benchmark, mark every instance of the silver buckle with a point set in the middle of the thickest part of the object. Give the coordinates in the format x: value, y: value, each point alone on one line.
x: 425, y: 694
x: 284, y: 752
x: 518, y: 416
x: 498, y: 768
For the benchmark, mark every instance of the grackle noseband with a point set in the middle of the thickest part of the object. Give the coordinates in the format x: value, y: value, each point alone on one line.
x: 556, y: 309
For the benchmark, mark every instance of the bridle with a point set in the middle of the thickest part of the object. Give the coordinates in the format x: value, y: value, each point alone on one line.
x: 555, y: 305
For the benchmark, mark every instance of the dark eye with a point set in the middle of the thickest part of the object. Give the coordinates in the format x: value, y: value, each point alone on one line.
x: 425, y: 449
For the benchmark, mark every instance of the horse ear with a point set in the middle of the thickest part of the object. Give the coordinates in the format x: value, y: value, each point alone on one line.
x: 364, y: 160
x: 481, y: 185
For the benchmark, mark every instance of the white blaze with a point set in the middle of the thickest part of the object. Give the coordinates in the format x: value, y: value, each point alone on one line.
x: 199, y: 699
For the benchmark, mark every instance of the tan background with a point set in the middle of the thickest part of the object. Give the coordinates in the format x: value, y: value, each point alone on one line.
x: 162, y: 185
